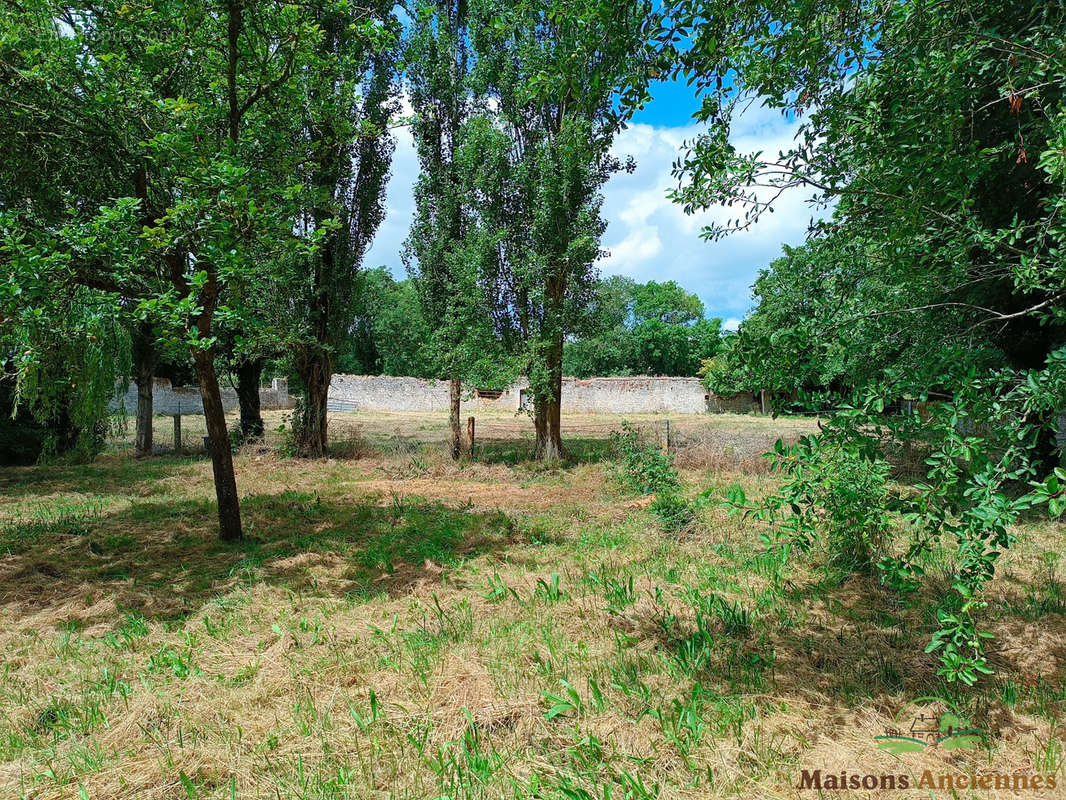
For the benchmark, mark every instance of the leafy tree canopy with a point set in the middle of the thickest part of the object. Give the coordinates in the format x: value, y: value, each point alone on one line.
x: 642, y: 329
x: 936, y: 132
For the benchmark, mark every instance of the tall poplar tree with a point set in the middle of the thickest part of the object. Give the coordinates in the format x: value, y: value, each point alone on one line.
x: 551, y: 73
x: 438, y: 72
x: 349, y: 97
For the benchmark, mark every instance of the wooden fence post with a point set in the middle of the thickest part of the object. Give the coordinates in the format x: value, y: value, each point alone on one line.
x: 666, y: 437
x: 470, y: 435
x: 177, y: 434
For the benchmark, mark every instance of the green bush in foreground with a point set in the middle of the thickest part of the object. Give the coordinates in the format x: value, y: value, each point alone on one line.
x: 646, y: 469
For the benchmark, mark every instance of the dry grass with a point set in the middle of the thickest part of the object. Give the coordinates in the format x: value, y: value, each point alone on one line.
x: 399, y: 626
x: 719, y: 441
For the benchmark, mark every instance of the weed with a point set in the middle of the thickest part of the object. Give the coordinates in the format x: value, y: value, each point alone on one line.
x: 498, y: 590
x: 643, y: 467
x: 569, y: 703
x: 620, y: 594
x: 549, y: 590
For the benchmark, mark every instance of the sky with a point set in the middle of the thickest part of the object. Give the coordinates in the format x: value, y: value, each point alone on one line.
x: 648, y: 236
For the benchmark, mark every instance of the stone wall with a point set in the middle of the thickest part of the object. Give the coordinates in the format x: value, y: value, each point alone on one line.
x: 631, y: 395
x: 592, y: 395
x: 168, y: 399
x: 383, y: 393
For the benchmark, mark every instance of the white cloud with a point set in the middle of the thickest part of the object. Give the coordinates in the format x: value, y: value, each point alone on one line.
x: 400, y: 207
x: 648, y: 236
x: 638, y: 211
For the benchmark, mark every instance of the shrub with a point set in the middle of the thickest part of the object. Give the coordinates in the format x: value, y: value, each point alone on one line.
x: 644, y: 468
x: 673, y: 511
x: 852, y: 491
x: 834, y: 493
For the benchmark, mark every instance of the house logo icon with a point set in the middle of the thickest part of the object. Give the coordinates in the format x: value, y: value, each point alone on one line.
x: 929, y: 722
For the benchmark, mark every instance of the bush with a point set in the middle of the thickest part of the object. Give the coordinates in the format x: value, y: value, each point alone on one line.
x: 854, y: 497
x: 644, y: 468
x: 836, y: 493
x: 673, y: 511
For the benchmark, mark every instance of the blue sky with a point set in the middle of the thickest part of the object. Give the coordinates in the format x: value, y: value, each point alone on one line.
x: 649, y: 237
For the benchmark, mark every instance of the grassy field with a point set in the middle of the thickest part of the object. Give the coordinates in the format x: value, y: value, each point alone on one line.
x: 399, y: 626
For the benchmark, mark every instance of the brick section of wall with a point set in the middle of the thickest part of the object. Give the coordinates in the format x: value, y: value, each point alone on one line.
x: 168, y: 399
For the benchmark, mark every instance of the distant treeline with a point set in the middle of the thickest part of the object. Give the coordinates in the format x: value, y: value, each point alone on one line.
x: 629, y: 328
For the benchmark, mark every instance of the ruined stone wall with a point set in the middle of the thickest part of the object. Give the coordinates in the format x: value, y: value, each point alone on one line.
x: 383, y: 393
x: 168, y: 399
x: 592, y: 395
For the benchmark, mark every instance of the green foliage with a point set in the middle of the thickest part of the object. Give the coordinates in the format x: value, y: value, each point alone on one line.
x: 343, y: 164
x: 642, y: 329
x: 835, y: 492
x: 934, y: 254
x: 66, y: 351
x: 498, y: 590
x: 644, y: 468
x: 936, y: 137
x: 158, y: 166
x: 391, y: 335
x: 619, y: 594
x: 819, y: 330
x: 978, y: 450
x: 549, y: 591
x: 529, y: 167
x: 673, y: 511
x: 570, y: 704
x: 450, y: 265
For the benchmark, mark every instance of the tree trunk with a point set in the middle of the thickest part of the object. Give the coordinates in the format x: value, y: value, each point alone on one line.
x: 229, y: 510
x: 547, y: 421
x: 249, y: 377
x: 310, y: 430
x: 547, y: 415
x: 144, y: 375
x: 455, y: 397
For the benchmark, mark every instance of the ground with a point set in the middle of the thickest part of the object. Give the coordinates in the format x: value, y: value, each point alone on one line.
x: 399, y: 626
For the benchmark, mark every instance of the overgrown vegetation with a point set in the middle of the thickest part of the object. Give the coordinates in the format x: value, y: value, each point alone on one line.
x: 646, y: 468
x: 512, y: 631
x: 928, y: 306
x: 192, y: 188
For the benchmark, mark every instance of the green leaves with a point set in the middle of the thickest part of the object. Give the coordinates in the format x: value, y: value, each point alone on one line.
x: 569, y: 703
x: 928, y: 312
x: 633, y: 329
x: 1052, y: 491
x: 960, y: 647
